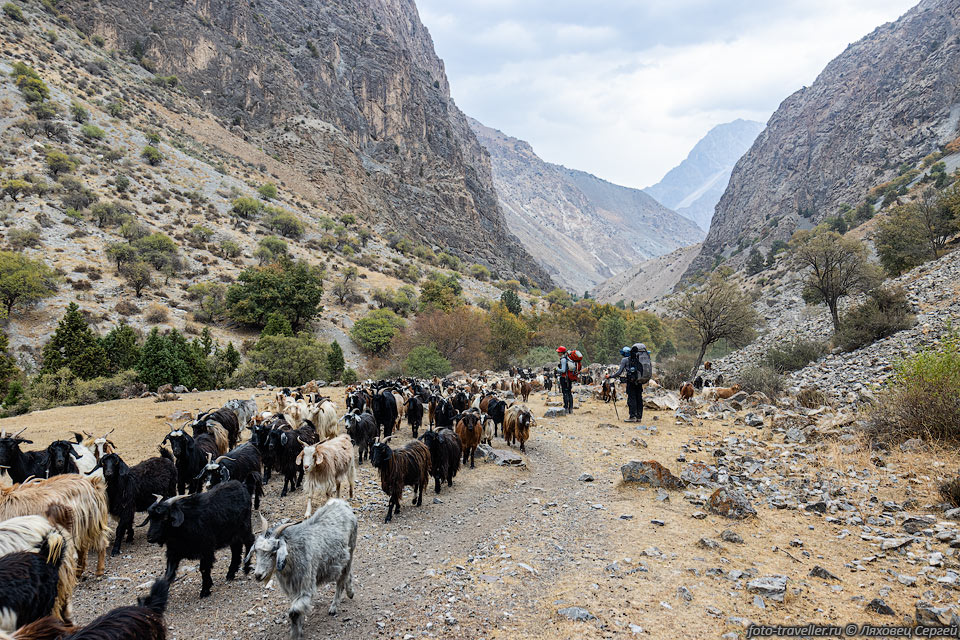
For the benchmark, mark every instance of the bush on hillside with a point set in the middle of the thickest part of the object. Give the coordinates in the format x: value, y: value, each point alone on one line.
x: 794, y: 355
x: 764, y: 379
x: 426, y: 362
x: 883, y: 313
x: 283, y: 361
x: 922, y: 400
x: 673, y: 372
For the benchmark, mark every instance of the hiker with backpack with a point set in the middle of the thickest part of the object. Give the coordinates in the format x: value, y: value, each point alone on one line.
x: 567, y: 373
x: 636, y: 368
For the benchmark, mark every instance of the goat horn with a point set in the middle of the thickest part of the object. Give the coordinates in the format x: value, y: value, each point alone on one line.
x: 226, y: 458
x: 17, y: 434
x: 280, y: 529
x: 209, y: 457
x: 302, y: 442
x: 264, y: 525
x: 3, y: 434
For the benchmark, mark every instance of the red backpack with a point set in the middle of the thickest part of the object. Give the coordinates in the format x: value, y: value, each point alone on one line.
x: 576, y: 358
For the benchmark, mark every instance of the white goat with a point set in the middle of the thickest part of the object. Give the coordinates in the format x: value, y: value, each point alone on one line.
x: 325, y: 466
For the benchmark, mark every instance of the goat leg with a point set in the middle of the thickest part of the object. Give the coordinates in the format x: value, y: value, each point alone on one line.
x: 171, y: 573
x: 236, y: 554
x: 206, y: 565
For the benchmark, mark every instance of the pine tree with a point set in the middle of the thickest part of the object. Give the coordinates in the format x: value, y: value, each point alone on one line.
x: 335, y: 361
x: 75, y: 346
x: 512, y: 301
x: 8, y: 366
x: 122, y: 348
x: 158, y: 364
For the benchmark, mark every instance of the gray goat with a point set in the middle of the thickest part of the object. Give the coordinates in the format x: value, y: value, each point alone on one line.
x: 307, y: 554
x: 245, y: 410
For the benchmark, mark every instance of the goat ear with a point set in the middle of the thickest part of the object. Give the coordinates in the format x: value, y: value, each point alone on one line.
x: 226, y: 474
x: 299, y: 459
x: 284, y: 438
x: 176, y: 516
x: 282, y: 555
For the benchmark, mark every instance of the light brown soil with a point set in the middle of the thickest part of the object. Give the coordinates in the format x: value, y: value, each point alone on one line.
x: 506, y: 547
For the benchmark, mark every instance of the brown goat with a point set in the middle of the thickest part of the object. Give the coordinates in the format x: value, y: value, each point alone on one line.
x: 686, y: 391
x: 525, y: 389
x: 724, y: 393
x: 470, y: 432
x: 516, y: 425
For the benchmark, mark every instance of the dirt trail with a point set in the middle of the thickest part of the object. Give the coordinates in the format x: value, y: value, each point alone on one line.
x: 498, y: 554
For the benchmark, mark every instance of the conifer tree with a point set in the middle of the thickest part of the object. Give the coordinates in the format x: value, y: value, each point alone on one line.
x: 122, y: 348
x: 75, y: 346
x: 335, y: 361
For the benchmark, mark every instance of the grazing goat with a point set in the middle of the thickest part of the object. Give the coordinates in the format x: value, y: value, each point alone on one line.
x: 191, y: 455
x: 86, y: 499
x: 27, y: 533
x: 469, y: 431
x: 304, y: 555
x: 243, y: 464
x: 525, y: 389
x: 408, y: 465
x: 725, y: 393
x: 325, y: 465
x: 18, y: 464
x: 686, y: 391
x: 414, y: 414
x: 698, y: 383
x: 28, y: 582
x: 60, y: 458
x: 133, y: 489
x: 244, y: 410
x: 195, y: 526
x: 384, y: 409
x: 516, y: 425
x: 223, y: 418
x: 363, y: 431
x: 445, y: 448
x: 285, y: 446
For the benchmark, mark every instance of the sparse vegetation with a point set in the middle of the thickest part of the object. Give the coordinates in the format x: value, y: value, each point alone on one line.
x: 152, y: 155
x: 13, y: 12
x: 268, y: 191
x: 883, y: 313
x: 794, y: 355
x: 24, y: 281
x: 763, y: 379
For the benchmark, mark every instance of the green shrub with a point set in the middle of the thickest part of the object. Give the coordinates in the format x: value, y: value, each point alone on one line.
x: 285, y: 223
x: 922, y: 400
x: 122, y: 183
x: 98, y: 41
x: 13, y: 12
x: 152, y: 137
x: 350, y: 376
x: 59, y: 162
x: 764, y: 379
x: 794, y: 355
x: 283, y: 361
x: 92, y: 132
x: 539, y: 357
x: 480, y: 272
x: 674, y: 371
x: 246, y: 208
x: 335, y: 361
x: 201, y: 233
x: 116, y: 109
x: 268, y: 191
x: 16, y: 188
x: 883, y: 313
x: 79, y: 113
x: 426, y: 362
x: 152, y: 155
x: 292, y: 288
x: 230, y: 249
x: 23, y: 238
x: 374, y: 333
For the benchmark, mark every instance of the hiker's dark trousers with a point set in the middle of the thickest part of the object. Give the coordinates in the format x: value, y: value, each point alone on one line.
x: 566, y: 388
x: 635, y: 400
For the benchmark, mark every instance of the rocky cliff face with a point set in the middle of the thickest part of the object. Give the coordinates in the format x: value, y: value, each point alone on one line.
x: 349, y: 92
x: 581, y: 228
x: 694, y: 186
x: 890, y: 98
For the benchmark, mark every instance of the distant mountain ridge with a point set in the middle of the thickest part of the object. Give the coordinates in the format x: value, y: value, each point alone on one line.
x: 890, y: 98
x: 580, y: 228
x: 694, y: 186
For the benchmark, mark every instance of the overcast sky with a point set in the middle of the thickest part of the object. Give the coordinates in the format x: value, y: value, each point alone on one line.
x: 624, y: 88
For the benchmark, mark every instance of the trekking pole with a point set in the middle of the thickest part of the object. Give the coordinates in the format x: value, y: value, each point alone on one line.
x: 615, y: 403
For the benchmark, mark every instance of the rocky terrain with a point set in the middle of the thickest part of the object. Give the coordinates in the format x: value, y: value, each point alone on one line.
x: 581, y: 228
x: 648, y: 280
x: 349, y: 94
x: 698, y: 522
x: 849, y: 378
x: 694, y: 186
x: 888, y: 99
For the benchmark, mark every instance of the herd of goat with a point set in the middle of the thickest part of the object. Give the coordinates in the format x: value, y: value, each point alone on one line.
x: 199, y: 495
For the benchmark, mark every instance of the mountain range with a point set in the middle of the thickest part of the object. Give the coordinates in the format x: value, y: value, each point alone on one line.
x: 694, y: 187
x: 581, y: 228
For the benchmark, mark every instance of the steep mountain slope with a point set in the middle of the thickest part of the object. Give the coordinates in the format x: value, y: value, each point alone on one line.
x: 581, y: 228
x: 890, y: 98
x: 351, y: 93
x: 649, y: 279
x: 694, y: 186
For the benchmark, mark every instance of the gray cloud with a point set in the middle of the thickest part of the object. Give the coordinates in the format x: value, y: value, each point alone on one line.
x: 624, y: 88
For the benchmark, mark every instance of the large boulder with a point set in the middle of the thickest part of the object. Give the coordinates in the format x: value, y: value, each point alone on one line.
x: 770, y: 587
x: 731, y: 503
x: 663, y: 401
x: 651, y: 473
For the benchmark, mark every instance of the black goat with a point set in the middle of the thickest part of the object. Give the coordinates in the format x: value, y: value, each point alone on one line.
x: 143, y: 621
x: 407, y: 466
x: 363, y: 431
x: 414, y: 414
x: 497, y: 410
x: 260, y: 438
x: 191, y: 455
x: 21, y: 465
x: 285, y: 446
x: 226, y: 418
x: 60, y: 458
x: 132, y: 489
x: 445, y: 447
x: 28, y: 583
x: 243, y: 463
x: 460, y: 400
x: 445, y: 413
x: 384, y: 409
x: 195, y: 526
